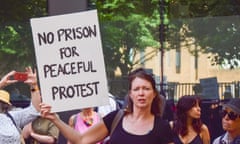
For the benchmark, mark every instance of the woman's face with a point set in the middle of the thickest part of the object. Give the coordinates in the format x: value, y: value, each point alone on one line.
x: 195, y: 111
x: 141, y: 93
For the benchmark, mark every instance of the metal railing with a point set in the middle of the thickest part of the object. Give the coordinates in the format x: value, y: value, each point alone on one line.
x: 174, y: 90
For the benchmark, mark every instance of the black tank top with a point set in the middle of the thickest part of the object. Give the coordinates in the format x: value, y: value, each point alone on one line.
x: 196, y: 140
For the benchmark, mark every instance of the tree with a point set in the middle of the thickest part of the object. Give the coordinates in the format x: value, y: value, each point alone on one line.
x: 127, y: 26
x: 214, y: 25
x: 16, y: 47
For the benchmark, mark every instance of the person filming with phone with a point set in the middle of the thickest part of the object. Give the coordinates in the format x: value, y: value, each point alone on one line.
x: 12, y: 121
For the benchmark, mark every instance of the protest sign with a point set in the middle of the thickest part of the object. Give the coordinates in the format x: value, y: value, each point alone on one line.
x: 70, y: 60
x: 210, y: 88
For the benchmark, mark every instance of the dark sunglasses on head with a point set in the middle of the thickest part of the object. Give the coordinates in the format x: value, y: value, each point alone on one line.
x: 231, y: 115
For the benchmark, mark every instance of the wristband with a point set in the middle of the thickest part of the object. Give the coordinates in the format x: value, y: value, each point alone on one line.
x: 34, y: 88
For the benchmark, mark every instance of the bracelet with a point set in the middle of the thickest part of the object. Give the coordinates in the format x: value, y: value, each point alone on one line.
x: 34, y: 88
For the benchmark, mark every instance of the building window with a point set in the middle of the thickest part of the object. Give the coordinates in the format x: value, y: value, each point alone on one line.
x: 142, y: 57
x: 178, y: 60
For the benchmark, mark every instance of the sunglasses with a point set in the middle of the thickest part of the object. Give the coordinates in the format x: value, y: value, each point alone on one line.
x: 231, y: 115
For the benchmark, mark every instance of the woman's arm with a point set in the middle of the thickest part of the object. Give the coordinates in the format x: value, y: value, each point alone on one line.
x: 94, y: 134
x: 43, y: 138
x: 27, y: 132
x: 50, y: 135
x: 71, y: 120
x: 205, y: 134
x: 32, y: 82
x: 71, y: 123
x: 5, y: 81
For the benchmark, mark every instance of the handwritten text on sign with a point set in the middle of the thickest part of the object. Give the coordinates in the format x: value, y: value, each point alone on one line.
x: 70, y: 60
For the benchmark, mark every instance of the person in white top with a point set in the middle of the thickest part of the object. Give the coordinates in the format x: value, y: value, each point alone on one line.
x: 12, y: 121
x: 105, y: 109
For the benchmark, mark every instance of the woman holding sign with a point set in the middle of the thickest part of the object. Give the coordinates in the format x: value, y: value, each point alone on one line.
x: 140, y: 122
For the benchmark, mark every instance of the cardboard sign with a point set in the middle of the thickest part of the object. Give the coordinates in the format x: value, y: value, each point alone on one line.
x: 210, y: 88
x: 70, y: 60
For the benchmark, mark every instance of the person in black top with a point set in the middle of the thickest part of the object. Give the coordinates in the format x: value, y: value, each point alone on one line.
x: 188, y: 127
x: 141, y: 122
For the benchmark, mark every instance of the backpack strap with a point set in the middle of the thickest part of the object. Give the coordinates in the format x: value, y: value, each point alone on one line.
x: 116, y: 120
x: 10, y: 116
x: 22, y: 141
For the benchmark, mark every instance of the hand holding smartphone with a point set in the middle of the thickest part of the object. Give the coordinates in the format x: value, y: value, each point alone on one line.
x: 20, y: 76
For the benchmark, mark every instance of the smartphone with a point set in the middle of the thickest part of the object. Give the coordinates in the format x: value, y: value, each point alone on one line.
x: 20, y: 76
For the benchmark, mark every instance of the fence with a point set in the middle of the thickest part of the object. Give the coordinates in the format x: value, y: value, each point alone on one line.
x: 174, y: 90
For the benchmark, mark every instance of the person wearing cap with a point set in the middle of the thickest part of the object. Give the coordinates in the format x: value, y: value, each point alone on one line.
x: 230, y: 123
x: 11, y: 122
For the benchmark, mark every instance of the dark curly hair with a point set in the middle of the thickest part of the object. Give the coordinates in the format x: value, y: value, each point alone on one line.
x: 185, y: 103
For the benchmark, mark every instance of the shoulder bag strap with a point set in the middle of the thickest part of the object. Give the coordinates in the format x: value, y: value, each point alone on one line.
x: 10, y: 116
x: 116, y: 120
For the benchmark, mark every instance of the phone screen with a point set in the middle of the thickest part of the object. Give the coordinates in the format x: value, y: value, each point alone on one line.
x: 20, y: 76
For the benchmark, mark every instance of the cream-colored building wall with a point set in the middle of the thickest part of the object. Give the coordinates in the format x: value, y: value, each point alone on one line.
x: 188, y: 73
x: 151, y: 60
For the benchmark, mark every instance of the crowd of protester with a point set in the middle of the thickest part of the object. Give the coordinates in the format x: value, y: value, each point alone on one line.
x: 142, y: 120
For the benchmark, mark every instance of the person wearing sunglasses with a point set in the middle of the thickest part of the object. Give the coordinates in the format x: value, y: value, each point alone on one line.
x: 230, y: 123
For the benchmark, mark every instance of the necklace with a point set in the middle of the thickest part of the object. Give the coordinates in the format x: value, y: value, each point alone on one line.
x: 88, y: 121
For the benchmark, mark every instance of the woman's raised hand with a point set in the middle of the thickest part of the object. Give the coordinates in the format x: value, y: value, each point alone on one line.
x: 45, y: 111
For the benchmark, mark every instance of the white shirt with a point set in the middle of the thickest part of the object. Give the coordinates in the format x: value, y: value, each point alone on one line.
x: 104, y: 110
x: 9, y: 134
x: 223, y: 139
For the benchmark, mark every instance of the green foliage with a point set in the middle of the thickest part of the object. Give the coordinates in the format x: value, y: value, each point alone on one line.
x: 16, y: 48
x: 214, y: 25
x: 127, y: 26
x: 220, y: 37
